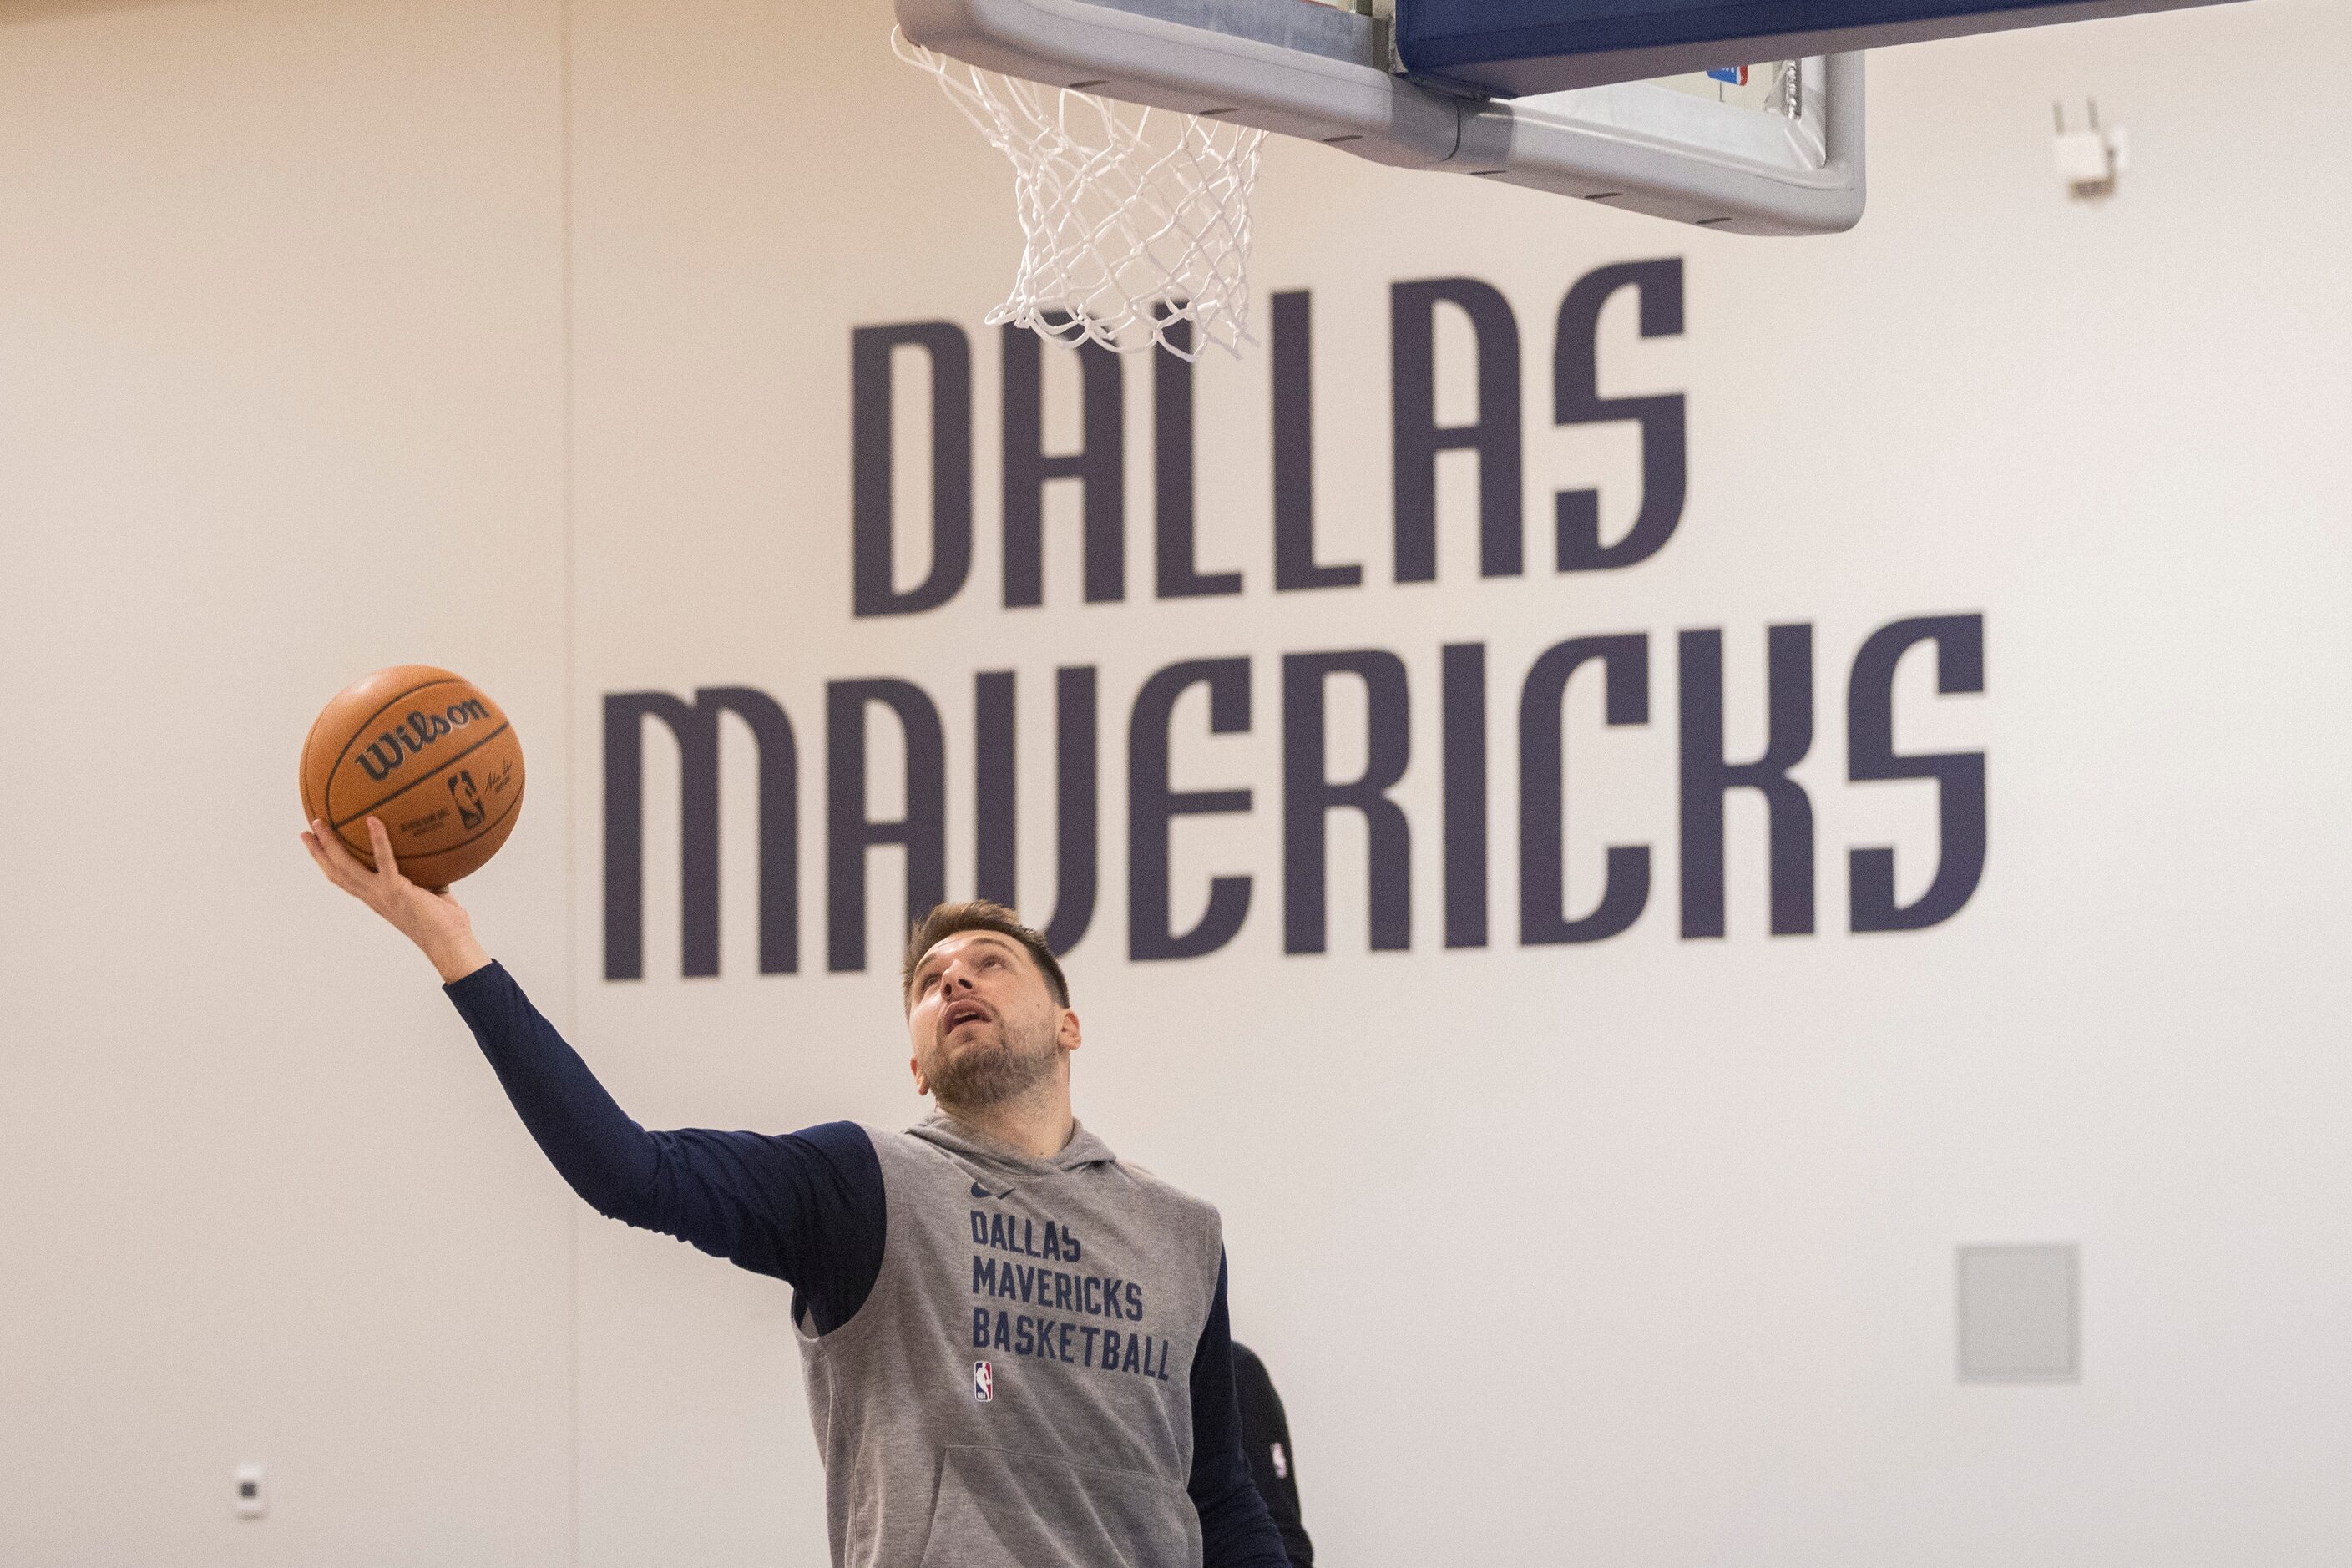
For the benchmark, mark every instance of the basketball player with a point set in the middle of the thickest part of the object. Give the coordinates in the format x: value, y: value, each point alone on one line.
x: 1274, y: 1463
x: 1015, y: 1343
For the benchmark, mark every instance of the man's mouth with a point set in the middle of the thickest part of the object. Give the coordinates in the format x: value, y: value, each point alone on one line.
x: 959, y: 1014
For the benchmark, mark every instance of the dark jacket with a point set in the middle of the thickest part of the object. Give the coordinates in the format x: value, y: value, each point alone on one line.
x: 1265, y: 1438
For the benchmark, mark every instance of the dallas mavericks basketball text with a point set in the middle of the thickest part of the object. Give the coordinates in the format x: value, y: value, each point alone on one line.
x: 1477, y: 699
x: 1007, y: 1287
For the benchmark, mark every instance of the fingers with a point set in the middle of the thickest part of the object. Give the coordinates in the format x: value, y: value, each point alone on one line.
x: 327, y: 846
x: 387, y: 866
x: 334, y: 857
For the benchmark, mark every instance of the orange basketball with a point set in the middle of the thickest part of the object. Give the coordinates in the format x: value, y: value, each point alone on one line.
x: 426, y: 751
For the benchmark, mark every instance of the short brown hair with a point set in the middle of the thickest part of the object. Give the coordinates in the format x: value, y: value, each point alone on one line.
x: 947, y: 920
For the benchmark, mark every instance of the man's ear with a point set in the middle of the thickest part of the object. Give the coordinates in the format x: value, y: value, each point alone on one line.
x: 1066, y: 1036
x: 915, y: 1066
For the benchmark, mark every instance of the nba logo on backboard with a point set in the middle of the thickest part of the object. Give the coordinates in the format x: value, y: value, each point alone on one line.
x: 984, y: 1381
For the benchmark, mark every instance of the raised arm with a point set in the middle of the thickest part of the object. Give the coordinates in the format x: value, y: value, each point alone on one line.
x: 806, y: 1208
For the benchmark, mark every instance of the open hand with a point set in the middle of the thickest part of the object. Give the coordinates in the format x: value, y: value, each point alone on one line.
x: 433, y: 920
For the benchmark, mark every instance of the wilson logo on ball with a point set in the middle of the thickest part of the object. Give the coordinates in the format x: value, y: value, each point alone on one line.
x: 409, y: 737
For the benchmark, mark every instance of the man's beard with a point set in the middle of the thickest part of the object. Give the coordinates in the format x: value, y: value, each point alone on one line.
x: 1004, y: 1068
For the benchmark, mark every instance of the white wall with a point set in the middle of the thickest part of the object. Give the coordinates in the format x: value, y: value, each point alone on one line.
x: 282, y: 325
x: 1636, y: 1252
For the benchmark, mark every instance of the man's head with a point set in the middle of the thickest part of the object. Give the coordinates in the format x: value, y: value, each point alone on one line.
x: 988, y: 1010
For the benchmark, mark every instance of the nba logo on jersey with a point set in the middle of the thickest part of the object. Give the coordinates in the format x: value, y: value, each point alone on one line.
x: 984, y: 1381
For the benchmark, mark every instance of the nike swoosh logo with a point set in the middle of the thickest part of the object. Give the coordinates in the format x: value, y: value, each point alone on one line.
x: 979, y: 1192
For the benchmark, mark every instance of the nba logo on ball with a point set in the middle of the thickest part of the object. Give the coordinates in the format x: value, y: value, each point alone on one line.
x: 984, y: 1381
x: 470, y: 810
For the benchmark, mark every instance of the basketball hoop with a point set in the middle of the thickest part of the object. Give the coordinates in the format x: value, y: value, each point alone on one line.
x: 1133, y: 219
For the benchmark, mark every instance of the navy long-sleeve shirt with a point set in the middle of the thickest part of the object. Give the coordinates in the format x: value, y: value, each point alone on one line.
x: 806, y: 1207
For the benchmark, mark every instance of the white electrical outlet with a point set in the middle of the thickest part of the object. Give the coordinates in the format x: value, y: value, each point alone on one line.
x: 252, y: 1496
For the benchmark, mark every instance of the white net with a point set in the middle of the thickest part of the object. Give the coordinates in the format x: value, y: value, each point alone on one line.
x: 1133, y: 219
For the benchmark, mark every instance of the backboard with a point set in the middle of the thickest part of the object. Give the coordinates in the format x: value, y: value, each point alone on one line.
x: 1742, y: 115
x: 1780, y: 155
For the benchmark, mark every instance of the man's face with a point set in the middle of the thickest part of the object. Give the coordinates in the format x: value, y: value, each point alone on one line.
x: 984, y: 1023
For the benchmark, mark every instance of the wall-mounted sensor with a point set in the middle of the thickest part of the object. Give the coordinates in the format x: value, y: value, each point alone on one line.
x: 252, y: 1496
x: 2091, y: 157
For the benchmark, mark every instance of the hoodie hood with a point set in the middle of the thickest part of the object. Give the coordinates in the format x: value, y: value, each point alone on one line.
x: 1003, y: 1163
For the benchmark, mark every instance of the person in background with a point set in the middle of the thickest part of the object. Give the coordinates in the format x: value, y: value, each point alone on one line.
x: 1265, y: 1438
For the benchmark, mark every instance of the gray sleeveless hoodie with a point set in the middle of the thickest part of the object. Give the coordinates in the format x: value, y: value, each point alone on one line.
x: 1015, y: 1392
